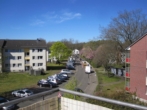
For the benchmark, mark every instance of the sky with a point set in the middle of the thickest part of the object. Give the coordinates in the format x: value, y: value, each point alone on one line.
x: 56, y: 20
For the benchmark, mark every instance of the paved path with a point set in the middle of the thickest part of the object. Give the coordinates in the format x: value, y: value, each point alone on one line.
x: 86, y: 82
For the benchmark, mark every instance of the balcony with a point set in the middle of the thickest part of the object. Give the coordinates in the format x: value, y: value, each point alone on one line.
x: 127, y: 75
x: 27, y: 57
x: 127, y: 57
x: 128, y: 60
x: 127, y: 89
x: 127, y: 85
x: 27, y: 63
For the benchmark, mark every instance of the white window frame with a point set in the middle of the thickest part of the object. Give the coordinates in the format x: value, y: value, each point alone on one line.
x: 40, y: 50
x: 40, y: 64
x: 19, y: 57
x: 19, y: 65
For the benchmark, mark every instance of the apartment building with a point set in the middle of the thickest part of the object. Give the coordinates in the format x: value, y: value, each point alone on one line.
x: 23, y: 55
x: 136, y: 68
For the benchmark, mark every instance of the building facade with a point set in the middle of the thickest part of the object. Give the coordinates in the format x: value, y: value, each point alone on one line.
x: 23, y: 55
x: 1, y: 43
x: 136, y: 68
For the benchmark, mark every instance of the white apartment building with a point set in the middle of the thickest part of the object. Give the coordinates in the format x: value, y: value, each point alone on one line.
x: 23, y: 55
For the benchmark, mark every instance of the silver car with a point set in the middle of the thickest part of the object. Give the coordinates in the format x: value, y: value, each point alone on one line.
x: 22, y: 93
x: 67, y: 71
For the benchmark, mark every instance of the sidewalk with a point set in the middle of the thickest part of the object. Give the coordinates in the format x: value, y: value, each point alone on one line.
x: 90, y: 89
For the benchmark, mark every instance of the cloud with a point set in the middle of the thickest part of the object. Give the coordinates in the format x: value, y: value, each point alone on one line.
x: 62, y: 16
x: 38, y: 23
x: 55, y: 17
x: 68, y: 16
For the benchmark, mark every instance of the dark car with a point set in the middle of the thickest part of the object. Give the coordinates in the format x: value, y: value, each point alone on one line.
x: 46, y: 83
x: 70, y: 67
x: 8, y: 107
x: 66, y: 75
x: 61, y: 77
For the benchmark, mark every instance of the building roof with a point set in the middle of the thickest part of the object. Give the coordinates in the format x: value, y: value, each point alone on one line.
x: 24, y: 43
x: 128, y: 48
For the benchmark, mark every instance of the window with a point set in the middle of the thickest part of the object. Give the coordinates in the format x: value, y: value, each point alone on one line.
x: 33, y: 57
x: 19, y: 57
x: 14, y: 65
x: 40, y: 64
x: 40, y: 57
x: 19, y: 64
x: 33, y: 64
x: 39, y: 50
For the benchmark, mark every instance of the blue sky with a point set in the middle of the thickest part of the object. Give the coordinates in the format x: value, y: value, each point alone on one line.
x: 55, y: 20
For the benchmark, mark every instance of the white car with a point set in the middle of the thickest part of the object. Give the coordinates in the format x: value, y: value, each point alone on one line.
x: 28, y: 92
x: 66, y: 71
x: 22, y: 93
x: 54, y: 79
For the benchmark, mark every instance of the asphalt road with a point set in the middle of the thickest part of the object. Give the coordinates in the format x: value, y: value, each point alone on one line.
x: 84, y: 83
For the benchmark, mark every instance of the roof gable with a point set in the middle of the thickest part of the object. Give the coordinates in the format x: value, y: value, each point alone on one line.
x: 128, y: 48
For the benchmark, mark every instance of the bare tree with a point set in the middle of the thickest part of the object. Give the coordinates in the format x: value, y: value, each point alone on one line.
x: 126, y: 28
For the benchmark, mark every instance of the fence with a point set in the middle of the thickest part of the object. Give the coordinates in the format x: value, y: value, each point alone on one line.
x: 53, y: 104
x: 48, y: 104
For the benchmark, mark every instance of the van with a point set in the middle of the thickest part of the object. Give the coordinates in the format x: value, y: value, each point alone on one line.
x: 88, y: 69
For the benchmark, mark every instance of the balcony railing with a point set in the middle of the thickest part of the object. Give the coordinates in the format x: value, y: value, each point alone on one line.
x: 43, y: 94
x: 127, y: 57
x: 128, y: 60
x: 127, y: 74
x: 27, y: 63
x: 27, y: 58
x: 127, y: 89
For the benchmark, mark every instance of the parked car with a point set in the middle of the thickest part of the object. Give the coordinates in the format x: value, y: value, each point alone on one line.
x: 19, y: 93
x: 65, y: 75
x: 67, y: 71
x: 54, y: 79
x: 46, y: 83
x: 28, y: 92
x: 70, y: 67
x: 62, y: 78
x: 8, y: 107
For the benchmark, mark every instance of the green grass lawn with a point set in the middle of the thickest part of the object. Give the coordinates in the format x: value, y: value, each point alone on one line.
x: 107, y: 84
x: 13, y: 81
